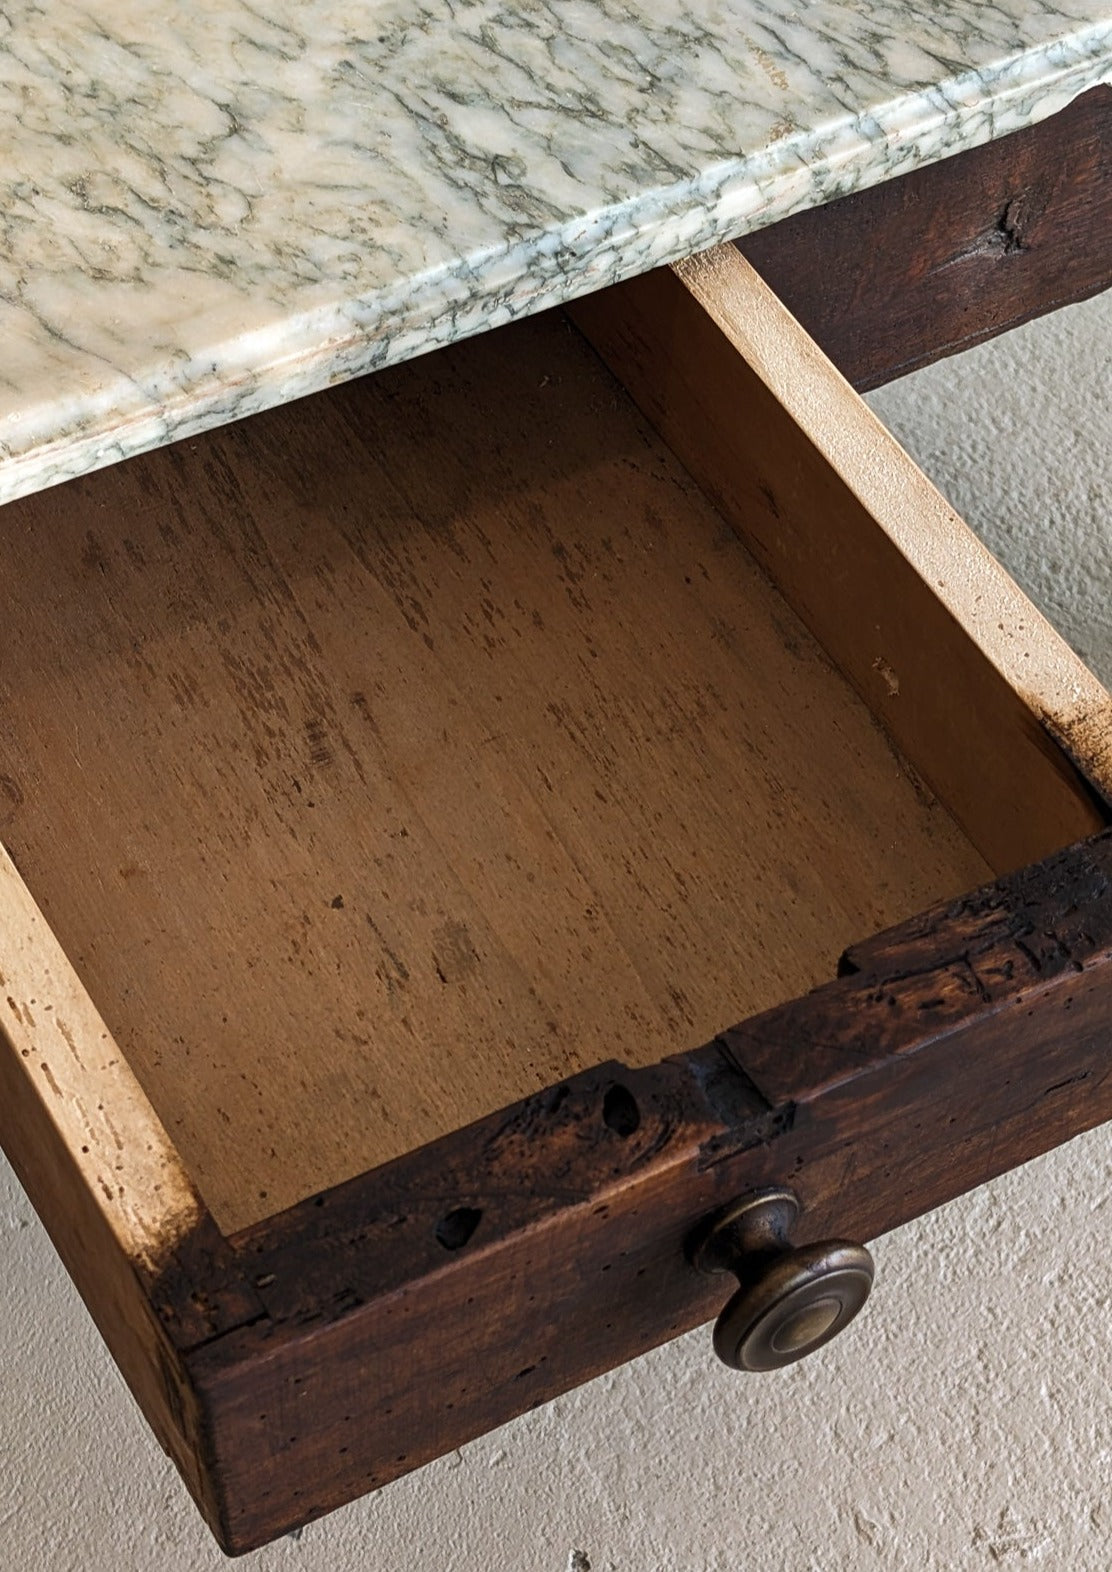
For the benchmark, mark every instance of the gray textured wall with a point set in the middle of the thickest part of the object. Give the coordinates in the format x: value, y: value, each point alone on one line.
x: 963, y: 1423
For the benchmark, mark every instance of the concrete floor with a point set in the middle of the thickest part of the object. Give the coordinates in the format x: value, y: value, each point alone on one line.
x: 963, y: 1422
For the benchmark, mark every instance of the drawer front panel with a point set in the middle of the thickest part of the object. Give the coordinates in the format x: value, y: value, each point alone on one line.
x: 954, y: 1048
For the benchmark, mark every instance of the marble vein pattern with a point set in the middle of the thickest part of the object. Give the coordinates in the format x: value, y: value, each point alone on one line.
x: 206, y: 208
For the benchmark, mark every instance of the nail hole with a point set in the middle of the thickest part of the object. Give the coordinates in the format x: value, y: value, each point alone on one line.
x: 620, y: 1112
x: 456, y: 1229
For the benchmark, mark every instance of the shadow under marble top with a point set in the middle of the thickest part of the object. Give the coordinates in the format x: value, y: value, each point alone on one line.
x: 210, y: 207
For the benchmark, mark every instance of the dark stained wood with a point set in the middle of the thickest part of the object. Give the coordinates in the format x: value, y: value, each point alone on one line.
x: 424, y: 1303
x: 919, y: 267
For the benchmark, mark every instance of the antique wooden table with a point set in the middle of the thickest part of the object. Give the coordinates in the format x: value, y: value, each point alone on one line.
x: 398, y: 787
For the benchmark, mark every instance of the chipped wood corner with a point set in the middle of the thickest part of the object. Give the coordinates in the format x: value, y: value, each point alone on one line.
x: 1082, y: 728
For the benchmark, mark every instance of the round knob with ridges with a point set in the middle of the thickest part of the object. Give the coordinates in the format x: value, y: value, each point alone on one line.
x: 790, y: 1299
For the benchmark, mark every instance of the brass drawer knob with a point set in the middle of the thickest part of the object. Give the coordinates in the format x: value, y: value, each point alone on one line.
x: 790, y: 1300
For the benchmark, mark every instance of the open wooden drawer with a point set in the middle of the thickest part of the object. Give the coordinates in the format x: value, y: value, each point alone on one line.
x: 416, y: 776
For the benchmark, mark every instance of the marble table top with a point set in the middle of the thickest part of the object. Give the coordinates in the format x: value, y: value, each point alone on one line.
x: 210, y: 207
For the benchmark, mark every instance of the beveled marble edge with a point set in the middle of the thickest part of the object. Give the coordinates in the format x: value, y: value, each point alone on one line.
x: 307, y: 351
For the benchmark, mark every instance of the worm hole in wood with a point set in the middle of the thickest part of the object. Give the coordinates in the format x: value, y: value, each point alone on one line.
x: 620, y: 1112
x: 454, y: 1230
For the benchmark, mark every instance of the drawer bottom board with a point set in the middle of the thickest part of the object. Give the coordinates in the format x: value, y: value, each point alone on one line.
x: 394, y: 755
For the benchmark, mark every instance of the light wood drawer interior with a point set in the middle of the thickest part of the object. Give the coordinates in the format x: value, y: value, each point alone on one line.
x: 389, y: 757
x: 386, y: 758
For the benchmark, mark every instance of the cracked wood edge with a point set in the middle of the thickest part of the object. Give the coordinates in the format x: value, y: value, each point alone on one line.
x: 953, y: 252
x: 975, y: 687
x: 949, y: 1049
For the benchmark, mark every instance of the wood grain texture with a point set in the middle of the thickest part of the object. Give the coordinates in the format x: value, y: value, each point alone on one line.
x: 974, y: 685
x: 950, y: 1049
x: 949, y: 255
x: 106, y: 1181
x: 400, y: 753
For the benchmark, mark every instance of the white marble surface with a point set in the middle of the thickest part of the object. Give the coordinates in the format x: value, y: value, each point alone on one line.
x: 206, y: 208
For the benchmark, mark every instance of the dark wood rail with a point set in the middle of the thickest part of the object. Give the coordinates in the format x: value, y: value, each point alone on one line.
x: 919, y: 267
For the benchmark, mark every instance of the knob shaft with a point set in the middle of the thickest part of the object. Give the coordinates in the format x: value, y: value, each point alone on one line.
x: 790, y: 1300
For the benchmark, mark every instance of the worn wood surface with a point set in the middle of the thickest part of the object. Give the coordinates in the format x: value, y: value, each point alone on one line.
x: 370, y: 787
x: 417, y: 1307
x: 972, y: 682
x: 106, y: 1182
x: 948, y: 255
